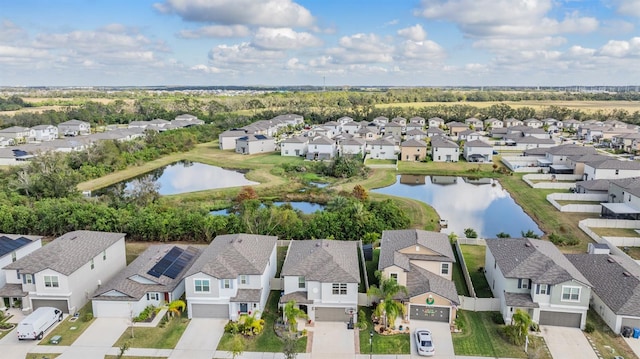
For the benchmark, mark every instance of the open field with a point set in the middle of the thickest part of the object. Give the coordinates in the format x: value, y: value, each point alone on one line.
x: 586, y: 106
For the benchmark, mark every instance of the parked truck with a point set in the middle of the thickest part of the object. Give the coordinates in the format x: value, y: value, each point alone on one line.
x: 36, y: 323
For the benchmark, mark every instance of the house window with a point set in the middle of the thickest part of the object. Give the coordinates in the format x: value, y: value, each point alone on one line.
x: 542, y: 289
x: 104, y: 255
x: 523, y: 283
x: 339, y: 288
x: 92, y: 264
x: 394, y: 276
x: 201, y: 286
x: 571, y: 294
x: 51, y: 281
x: 302, y: 283
x: 153, y: 296
x: 244, y: 279
x: 13, y: 256
x: 617, y: 172
x: 226, y: 284
x: 444, y: 268
x: 27, y: 279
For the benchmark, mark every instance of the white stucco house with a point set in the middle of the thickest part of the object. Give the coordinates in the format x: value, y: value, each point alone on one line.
x: 382, y: 149
x: 294, y: 146
x: 444, y: 150
x: 12, y: 248
x: 74, y: 128
x: 252, y: 144
x: 477, y: 151
x: 44, y: 133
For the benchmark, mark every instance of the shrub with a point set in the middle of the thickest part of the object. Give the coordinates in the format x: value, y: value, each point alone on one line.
x: 496, y: 317
x: 589, y: 328
x: 534, y: 327
x: 147, y: 313
x: 87, y: 317
x: 232, y: 327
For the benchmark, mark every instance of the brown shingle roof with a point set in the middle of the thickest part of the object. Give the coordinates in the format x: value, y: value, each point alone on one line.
x: 323, y: 260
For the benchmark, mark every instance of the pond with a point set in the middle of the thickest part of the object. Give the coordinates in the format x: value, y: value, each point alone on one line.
x: 304, y: 207
x: 184, y: 177
x: 481, y: 204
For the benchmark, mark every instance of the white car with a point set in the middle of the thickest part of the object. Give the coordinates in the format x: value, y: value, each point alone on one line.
x: 424, y: 343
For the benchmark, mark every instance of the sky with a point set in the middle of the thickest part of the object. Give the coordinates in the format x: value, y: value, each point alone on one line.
x: 319, y: 42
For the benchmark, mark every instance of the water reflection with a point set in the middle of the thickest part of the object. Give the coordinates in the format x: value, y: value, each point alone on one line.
x: 183, y: 177
x: 481, y: 204
x: 304, y: 207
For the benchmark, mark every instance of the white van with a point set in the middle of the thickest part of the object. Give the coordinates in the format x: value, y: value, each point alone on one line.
x: 36, y: 323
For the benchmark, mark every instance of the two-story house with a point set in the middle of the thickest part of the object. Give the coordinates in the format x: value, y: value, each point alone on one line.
x: 421, y: 261
x: 252, y: 144
x: 477, y: 151
x: 294, y: 146
x: 444, y: 150
x: 231, y: 276
x: 227, y: 139
x: 44, y: 133
x: 19, y: 134
x: 74, y: 128
x: 353, y: 146
x: 413, y: 150
x: 456, y: 127
x: 382, y: 148
x: 436, y: 122
x: 322, y: 277
x: 12, y: 248
x: 65, y: 272
x: 155, y: 277
x: 321, y: 148
x: 534, y: 276
x: 491, y: 123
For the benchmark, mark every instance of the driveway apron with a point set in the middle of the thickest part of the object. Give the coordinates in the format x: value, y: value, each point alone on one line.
x: 441, y: 334
x: 200, y: 339
x: 97, y: 339
x: 567, y: 343
x: 332, y: 340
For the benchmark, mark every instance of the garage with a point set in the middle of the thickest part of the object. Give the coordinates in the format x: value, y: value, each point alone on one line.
x: 63, y: 305
x: 560, y: 319
x: 331, y: 315
x: 210, y: 311
x: 631, y: 322
x: 431, y: 313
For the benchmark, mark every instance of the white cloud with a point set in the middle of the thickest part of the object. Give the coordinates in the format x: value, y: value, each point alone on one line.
x: 243, y: 56
x: 295, y: 64
x: 629, y: 7
x: 216, y: 31
x: 284, y: 38
x: 206, y: 69
x: 361, y: 49
x: 13, y: 52
x: 515, y: 44
x: 425, y: 50
x: 616, y: 48
x: 10, y: 32
x: 415, y: 33
x: 270, y: 13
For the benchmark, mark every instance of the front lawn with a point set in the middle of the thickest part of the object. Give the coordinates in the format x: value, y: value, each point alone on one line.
x: 267, y: 341
x: 70, y: 331
x: 158, y: 337
x: 482, y: 337
x: 382, y: 344
x: 474, y: 258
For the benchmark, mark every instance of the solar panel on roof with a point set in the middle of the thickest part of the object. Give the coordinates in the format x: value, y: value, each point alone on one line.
x: 261, y: 137
x: 172, y: 263
x: 8, y: 245
x: 178, y: 265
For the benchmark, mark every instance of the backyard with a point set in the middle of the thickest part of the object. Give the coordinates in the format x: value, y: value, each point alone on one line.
x: 474, y: 257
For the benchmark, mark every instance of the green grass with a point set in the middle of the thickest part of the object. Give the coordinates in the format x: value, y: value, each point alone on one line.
x: 458, y: 277
x: 380, y: 162
x: 372, y: 267
x: 4, y: 333
x: 481, y: 337
x: 64, y: 329
x: 267, y: 341
x: 281, y: 253
x: 474, y: 258
x: 42, y: 355
x: 615, y: 232
x: 155, y: 337
x: 383, y: 344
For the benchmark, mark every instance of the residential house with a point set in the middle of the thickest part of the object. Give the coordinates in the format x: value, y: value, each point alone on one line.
x: 369, y: 132
x: 6, y: 141
x: 624, y: 199
x: 628, y: 142
x: 186, y: 120
x: 611, y: 168
x: 394, y: 129
x: 422, y: 262
x: 44, y: 133
x: 322, y: 277
x: 571, y: 124
x: 444, y: 150
x: 474, y: 123
x: 615, y: 295
x: 252, y: 144
x: 399, y: 120
x: 333, y: 128
x: 351, y: 127
x: 382, y: 149
x: 469, y: 135
x: 65, y: 272
x: 353, y: 146
x: 321, y: 148
x: 534, y: 276
x: 380, y: 121
x: 558, y: 157
x: 533, y: 122
x: 19, y: 134
x: 294, y: 146
x: 413, y: 150
x: 415, y: 134
x: 477, y: 151
x: 456, y: 127
x: 74, y: 128
x: 12, y: 248
x: 14, y: 156
x: 435, y: 131
x: 231, y: 276
x: 511, y: 122
x: 491, y: 123
x: 227, y: 139
x: 416, y: 122
x: 436, y: 122
x: 155, y: 277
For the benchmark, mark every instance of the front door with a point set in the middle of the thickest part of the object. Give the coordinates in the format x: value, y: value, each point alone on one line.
x: 244, y: 308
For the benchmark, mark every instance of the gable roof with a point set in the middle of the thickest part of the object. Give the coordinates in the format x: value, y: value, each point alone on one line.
x: 231, y: 255
x: 323, y: 260
x: 619, y: 291
x: 322, y: 140
x: 14, y: 129
x: 67, y: 253
x: 414, y: 143
x: 421, y: 281
x: 73, y: 122
x: 440, y: 141
x: 394, y: 240
x: 456, y: 124
x: 297, y: 139
x: 132, y: 289
x: 476, y: 143
x: 614, y: 164
x: 233, y: 133
x: 380, y: 142
x: 533, y: 259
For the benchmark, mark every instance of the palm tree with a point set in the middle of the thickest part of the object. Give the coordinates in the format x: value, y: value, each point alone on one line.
x: 176, y: 307
x: 292, y: 313
x: 388, y: 308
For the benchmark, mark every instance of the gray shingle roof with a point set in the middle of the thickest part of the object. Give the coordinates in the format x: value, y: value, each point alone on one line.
x: 231, y: 255
x: 298, y: 139
x: 414, y: 143
x: 441, y: 142
x: 594, y: 185
x: 421, y: 281
x: 571, y: 150
x: 533, y: 259
x: 322, y: 140
x: 247, y: 295
x: 124, y: 283
x: 477, y: 143
x: 456, y: 124
x: 521, y: 300
x: 233, y: 133
x: 67, y: 253
x: 621, y: 293
x: 394, y: 240
x: 614, y: 164
x: 323, y: 260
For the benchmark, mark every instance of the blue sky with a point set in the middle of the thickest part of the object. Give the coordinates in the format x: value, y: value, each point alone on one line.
x: 306, y: 42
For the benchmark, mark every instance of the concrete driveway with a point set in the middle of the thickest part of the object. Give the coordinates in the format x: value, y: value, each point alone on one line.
x: 567, y: 342
x: 96, y: 341
x: 11, y: 347
x: 200, y: 339
x: 333, y: 340
x: 441, y: 335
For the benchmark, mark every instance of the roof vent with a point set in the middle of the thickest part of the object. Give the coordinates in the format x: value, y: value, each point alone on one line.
x: 417, y: 248
x: 72, y: 238
x: 318, y: 244
x: 527, y: 244
x: 610, y: 260
x: 626, y: 274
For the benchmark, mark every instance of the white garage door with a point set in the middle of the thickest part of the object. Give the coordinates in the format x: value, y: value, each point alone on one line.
x: 331, y: 315
x: 210, y: 311
x: 559, y: 319
x: 60, y: 304
x: 112, y: 309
